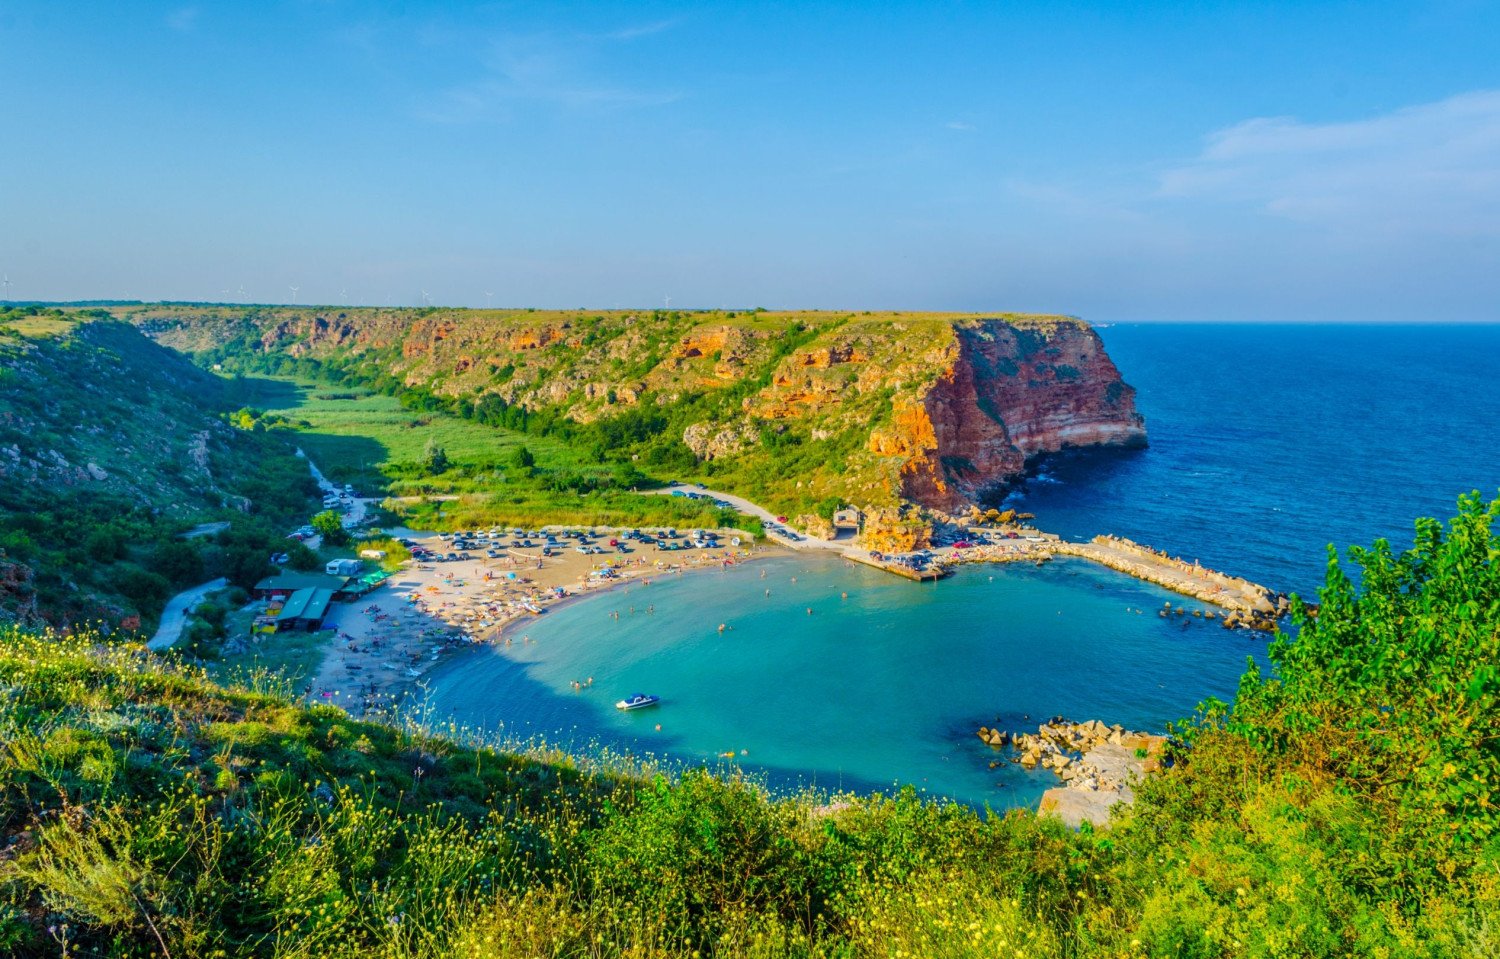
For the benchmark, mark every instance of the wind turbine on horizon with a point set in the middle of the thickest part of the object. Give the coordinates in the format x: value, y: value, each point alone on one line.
x: 426, y: 300
x: 487, y: 297
x: 295, y: 290
x: 668, y: 301
x: 5, y: 284
x: 242, y: 292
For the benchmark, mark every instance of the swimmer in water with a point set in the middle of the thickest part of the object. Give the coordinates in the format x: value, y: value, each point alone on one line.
x: 809, y: 610
x: 722, y: 627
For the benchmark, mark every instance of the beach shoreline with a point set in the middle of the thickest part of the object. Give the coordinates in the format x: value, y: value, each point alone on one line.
x: 384, y: 645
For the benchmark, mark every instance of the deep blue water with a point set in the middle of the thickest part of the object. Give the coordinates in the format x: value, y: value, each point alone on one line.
x: 1267, y: 443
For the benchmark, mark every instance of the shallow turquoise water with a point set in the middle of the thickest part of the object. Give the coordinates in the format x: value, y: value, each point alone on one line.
x: 885, y: 686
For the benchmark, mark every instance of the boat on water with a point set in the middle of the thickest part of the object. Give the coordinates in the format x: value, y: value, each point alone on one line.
x: 637, y: 701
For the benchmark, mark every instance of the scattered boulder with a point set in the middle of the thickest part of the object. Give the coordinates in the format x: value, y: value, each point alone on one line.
x: 1096, y: 762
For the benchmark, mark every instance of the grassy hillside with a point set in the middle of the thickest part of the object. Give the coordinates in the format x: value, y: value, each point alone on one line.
x: 111, y: 446
x: 800, y: 410
x: 1347, y: 805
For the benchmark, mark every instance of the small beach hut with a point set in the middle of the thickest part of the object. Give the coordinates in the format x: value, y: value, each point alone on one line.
x: 848, y: 520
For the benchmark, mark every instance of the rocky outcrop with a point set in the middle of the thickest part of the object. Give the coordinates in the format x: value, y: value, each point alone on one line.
x: 18, y: 592
x: 708, y: 442
x: 1009, y: 394
x: 892, y: 530
x: 1098, y: 764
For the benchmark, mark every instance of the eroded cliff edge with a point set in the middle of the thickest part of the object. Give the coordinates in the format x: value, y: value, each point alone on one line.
x: 1010, y: 394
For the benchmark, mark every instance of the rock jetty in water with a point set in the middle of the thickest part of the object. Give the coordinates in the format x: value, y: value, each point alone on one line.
x: 1251, y: 605
x: 1097, y: 764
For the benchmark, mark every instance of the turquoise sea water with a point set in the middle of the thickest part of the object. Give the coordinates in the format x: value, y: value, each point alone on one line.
x: 887, y: 685
x: 1266, y: 444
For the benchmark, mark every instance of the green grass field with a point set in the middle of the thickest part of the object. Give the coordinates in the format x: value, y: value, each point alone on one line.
x: 351, y: 433
x: 33, y: 327
x: 370, y: 440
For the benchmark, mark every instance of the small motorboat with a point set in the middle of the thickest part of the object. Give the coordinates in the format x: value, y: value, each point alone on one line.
x: 637, y: 701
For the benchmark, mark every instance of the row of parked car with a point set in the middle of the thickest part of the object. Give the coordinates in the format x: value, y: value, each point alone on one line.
x: 691, y: 494
x: 785, y: 532
x: 465, y: 543
x: 333, y: 498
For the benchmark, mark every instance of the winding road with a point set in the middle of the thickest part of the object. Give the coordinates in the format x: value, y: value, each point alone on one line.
x: 174, y: 617
x: 761, y: 513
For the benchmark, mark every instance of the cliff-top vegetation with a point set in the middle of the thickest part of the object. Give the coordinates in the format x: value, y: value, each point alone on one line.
x: 801, y: 411
x: 1345, y: 805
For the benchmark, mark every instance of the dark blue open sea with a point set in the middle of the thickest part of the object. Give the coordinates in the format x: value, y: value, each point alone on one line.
x: 1267, y: 444
x: 1270, y: 442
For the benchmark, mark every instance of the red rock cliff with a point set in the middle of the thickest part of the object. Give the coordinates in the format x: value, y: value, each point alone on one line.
x: 1010, y: 394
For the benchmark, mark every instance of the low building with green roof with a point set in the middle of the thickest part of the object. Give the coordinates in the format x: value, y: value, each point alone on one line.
x: 304, y: 610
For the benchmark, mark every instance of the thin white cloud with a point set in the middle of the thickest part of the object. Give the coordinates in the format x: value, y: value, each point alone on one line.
x: 542, y: 68
x: 643, y: 30
x: 183, y: 19
x: 961, y: 126
x: 1434, y: 167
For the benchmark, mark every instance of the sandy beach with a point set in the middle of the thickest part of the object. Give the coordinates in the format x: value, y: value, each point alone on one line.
x: 384, y: 643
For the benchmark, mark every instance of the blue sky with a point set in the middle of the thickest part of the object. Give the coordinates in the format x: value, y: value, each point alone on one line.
x: 1123, y: 162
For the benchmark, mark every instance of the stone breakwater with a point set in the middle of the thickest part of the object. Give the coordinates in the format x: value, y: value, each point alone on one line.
x: 1250, y: 605
x: 1097, y: 764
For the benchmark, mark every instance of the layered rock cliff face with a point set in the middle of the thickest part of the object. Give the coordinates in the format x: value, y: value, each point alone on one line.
x: 1009, y: 395
x: 801, y: 408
